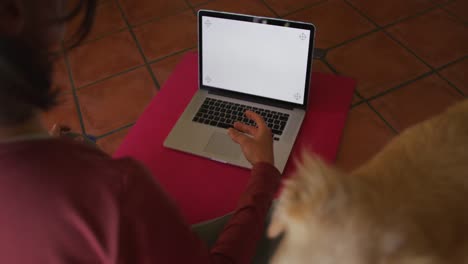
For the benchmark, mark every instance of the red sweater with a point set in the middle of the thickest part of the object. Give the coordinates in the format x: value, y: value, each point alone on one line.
x: 63, y: 202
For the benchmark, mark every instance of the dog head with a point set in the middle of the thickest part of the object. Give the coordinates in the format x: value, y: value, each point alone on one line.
x: 325, y: 216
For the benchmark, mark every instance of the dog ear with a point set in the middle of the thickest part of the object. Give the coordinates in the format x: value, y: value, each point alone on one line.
x: 277, y: 224
x: 418, y: 260
x: 316, y: 188
x: 296, y: 197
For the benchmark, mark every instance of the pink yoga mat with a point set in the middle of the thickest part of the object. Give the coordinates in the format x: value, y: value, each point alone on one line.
x: 204, y: 189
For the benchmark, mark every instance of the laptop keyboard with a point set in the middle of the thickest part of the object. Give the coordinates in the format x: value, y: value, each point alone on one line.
x: 223, y: 114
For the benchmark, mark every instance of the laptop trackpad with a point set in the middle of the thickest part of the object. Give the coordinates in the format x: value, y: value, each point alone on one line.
x: 222, y: 145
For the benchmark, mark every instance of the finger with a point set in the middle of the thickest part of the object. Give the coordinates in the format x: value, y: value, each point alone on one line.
x: 276, y: 226
x: 54, y: 131
x: 65, y: 129
x: 245, y: 128
x: 237, y: 137
x: 256, y: 118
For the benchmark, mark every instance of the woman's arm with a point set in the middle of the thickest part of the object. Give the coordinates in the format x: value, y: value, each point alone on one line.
x: 153, y: 231
x: 238, y: 241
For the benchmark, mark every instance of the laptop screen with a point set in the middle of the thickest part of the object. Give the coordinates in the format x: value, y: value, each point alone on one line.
x: 255, y: 58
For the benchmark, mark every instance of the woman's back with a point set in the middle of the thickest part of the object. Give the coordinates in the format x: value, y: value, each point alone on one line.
x: 65, y: 202
x: 58, y: 196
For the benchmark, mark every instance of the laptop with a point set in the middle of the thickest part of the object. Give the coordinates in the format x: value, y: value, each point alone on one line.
x: 246, y: 63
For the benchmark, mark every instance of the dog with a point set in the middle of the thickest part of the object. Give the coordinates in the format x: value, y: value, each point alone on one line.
x: 407, y: 205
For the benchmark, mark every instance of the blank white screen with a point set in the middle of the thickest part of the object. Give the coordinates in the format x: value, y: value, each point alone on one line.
x: 254, y: 58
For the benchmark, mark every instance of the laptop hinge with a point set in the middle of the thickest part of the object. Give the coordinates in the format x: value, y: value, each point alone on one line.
x: 248, y: 98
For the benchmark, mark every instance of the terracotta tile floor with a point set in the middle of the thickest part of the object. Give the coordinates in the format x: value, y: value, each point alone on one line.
x: 409, y: 57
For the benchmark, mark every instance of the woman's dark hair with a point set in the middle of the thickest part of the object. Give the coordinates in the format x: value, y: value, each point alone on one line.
x: 26, y: 70
x: 88, y: 9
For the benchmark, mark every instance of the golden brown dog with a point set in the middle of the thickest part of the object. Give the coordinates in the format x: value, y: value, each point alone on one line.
x: 407, y: 205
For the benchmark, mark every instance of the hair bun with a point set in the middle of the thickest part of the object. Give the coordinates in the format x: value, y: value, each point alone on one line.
x: 25, y: 79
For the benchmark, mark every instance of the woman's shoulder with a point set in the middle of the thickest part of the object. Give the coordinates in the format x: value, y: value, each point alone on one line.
x: 66, y: 158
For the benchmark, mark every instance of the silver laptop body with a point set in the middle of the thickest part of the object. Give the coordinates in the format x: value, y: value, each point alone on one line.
x: 246, y: 62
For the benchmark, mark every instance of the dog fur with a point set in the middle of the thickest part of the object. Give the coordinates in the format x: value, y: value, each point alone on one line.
x: 407, y: 205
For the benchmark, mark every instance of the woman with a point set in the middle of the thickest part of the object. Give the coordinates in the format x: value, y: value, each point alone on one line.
x: 62, y: 201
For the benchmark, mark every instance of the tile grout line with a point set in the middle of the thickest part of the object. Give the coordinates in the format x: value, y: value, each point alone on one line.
x: 163, y: 17
x: 408, y: 82
x: 451, y: 84
x: 103, y: 35
x: 134, y: 68
x: 359, y: 95
x: 358, y: 104
x: 454, y: 16
x: 367, y: 100
x: 172, y: 54
x: 443, y: 6
x: 324, y: 60
x: 270, y: 8
x: 384, y: 30
x: 415, y: 15
x: 293, y: 12
x: 361, y: 98
x: 304, y: 8
x: 64, y: 53
x: 193, y: 8
x: 129, y: 27
x: 377, y: 26
x: 443, y: 67
x: 382, y: 118
x: 401, y: 85
x: 74, y: 91
x: 137, y: 43
x: 363, y: 35
x: 438, y: 70
x: 203, y: 3
x: 187, y: 2
x: 114, y: 131
x: 117, y: 74
x: 158, y: 18
x: 198, y: 5
x: 355, y: 104
x: 437, y: 2
x: 419, y: 58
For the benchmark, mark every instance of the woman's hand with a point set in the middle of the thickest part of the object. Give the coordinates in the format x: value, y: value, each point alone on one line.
x: 58, y: 130
x: 257, y: 145
x: 64, y: 131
